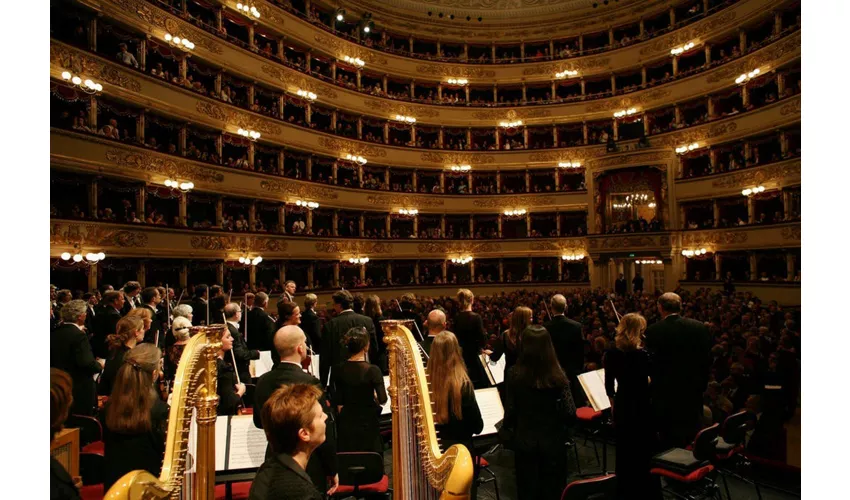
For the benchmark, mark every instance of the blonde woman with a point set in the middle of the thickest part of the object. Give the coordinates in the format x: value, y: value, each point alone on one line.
x: 469, y: 330
x: 129, y: 331
x: 627, y: 365
x: 458, y: 417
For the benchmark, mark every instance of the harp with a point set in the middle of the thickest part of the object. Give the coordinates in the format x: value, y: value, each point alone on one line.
x: 194, y: 387
x: 420, y: 470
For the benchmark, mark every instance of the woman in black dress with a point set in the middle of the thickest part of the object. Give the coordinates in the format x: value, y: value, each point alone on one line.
x: 469, y: 330
x: 230, y: 389
x: 129, y: 331
x: 358, y: 391
x: 509, y: 345
x: 372, y: 309
x: 628, y: 366
x: 135, y: 418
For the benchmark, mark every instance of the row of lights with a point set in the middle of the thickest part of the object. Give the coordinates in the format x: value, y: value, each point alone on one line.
x: 567, y: 73
x: 511, y: 124
x: 684, y: 48
x: 572, y: 257
x: 306, y: 94
x: 78, y: 256
x: 466, y: 259
x: 637, y: 198
x: 358, y: 260
x: 457, y: 81
x: 249, y: 261
x: 625, y: 112
x: 649, y: 261
x: 406, y: 119
x: 694, y: 253
x: 519, y: 212
x: 181, y: 43
x: 354, y: 61
x: 461, y: 168
x: 248, y: 11
x: 753, y: 190
x: 569, y: 164
x: 250, y: 134
x: 745, y: 77
x: 408, y: 211
x: 686, y: 148
x: 306, y: 204
x: 182, y: 186
x: 88, y: 86
x: 356, y: 159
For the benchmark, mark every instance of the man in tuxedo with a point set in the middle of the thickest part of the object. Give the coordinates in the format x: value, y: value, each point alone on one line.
x: 91, y: 300
x: 260, y: 325
x: 246, y: 311
x: 150, y: 301
x: 310, y: 322
x: 680, y: 356
x: 200, y: 307
x: 243, y: 355
x: 62, y: 298
x: 217, y: 301
x: 569, y: 344
x: 70, y: 351
x: 291, y: 346
x: 435, y: 324
x: 637, y: 283
x: 288, y: 291
x: 620, y: 286
x: 104, y: 323
x: 333, y: 352
x: 132, y: 289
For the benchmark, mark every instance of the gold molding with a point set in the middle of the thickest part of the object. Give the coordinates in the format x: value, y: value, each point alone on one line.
x: 759, y: 175
x: 697, y: 134
x: 792, y: 233
x: 96, y: 236
x: 300, y: 191
x: 237, y: 118
x: 630, y: 158
x: 343, y: 48
x: 514, y: 201
x: 758, y: 59
x: 353, y: 147
x: 169, y: 23
x: 353, y: 247
x: 613, y: 242
x: 404, y: 200
x: 627, y: 102
x: 458, y: 158
x: 400, y: 108
x: 458, y: 247
x: 690, y: 33
x: 714, y: 238
x: 511, y: 114
x: 443, y: 70
x: 156, y: 164
x: 238, y: 243
x: 575, y: 65
x: 568, y: 245
x: 78, y: 62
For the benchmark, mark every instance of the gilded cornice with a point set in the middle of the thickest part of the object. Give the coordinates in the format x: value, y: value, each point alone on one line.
x: 390, y: 109
x: 718, y: 237
x: 639, y: 99
x: 300, y: 190
x: 631, y: 159
x: 794, y: 107
x: 689, y: 33
x: 792, y: 233
x: 619, y: 242
x: 440, y: 247
x: 296, y: 80
x: 758, y: 59
x: 156, y: 164
x: 569, y: 245
x: 76, y: 61
x: 756, y: 176
x: 344, y: 48
x: 238, y: 119
x: 95, y: 235
x: 354, y: 247
x: 511, y: 114
x: 585, y: 153
x: 697, y: 134
x: 447, y: 70
x: 582, y: 65
x: 353, y: 147
x: 403, y: 200
x: 170, y: 24
x: 459, y: 158
x: 515, y: 201
x: 238, y: 243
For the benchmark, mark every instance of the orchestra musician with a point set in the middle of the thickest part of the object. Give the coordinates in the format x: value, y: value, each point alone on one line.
x: 106, y: 321
x: 469, y: 330
x: 333, y: 351
x: 230, y: 389
x: 243, y: 355
x: 70, y: 352
x: 129, y: 331
x: 260, y: 325
x: 568, y: 342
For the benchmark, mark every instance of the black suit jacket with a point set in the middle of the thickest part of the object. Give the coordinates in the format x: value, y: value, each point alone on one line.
x: 620, y: 286
x: 199, y: 312
x: 70, y: 351
x: 155, y: 332
x: 260, y: 330
x: 128, y: 306
x: 104, y: 324
x: 333, y: 352
x: 568, y: 343
x: 91, y: 314
x: 312, y: 328
x: 281, y: 477
x: 323, y: 462
x: 242, y: 354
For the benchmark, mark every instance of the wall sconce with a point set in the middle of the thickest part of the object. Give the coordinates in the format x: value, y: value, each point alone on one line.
x: 569, y: 164
x: 339, y: 15
x: 694, y: 253
x: 567, y: 73
x: 358, y: 260
x: 354, y: 61
x: 248, y: 261
x: 745, y: 77
x: 457, y: 81
x: 511, y: 124
x: 88, y: 86
x: 649, y: 261
x: 625, y: 112
x: 461, y: 168
x: 356, y: 159
x: 250, y: 134
x: 684, y: 48
x: 752, y: 191
x: 465, y: 259
x: 515, y: 213
x: 687, y: 148
x: 248, y: 11
x: 181, y: 43
x: 408, y: 211
x: 310, y: 205
x: 78, y: 256
x: 572, y: 257
x: 306, y: 94
x: 406, y: 119
x: 182, y: 186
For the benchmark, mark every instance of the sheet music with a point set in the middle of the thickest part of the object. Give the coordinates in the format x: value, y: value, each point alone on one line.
x: 247, y: 444
x: 387, y: 408
x: 220, y: 441
x: 260, y: 367
x: 491, y: 408
x: 497, y: 368
x: 593, y: 384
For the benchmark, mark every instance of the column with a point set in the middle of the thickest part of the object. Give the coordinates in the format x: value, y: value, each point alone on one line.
x: 92, y: 35
x: 333, y: 120
x: 499, y: 181
x: 184, y: 66
x: 524, y: 93
x: 93, y: 113
x: 472, y: 271
x: 252, y: 276
x: 527, y: 181
x: 281, y: 218
x: 780, y: 83
x: 471, y: 225
x: 333, y: 70
x: 672, y: 16
x: 560, y: 269
x: 251, y: 151
x: 642, y: 28
x: 582, y: 84
x: 384, y: 83
x: 616, y: 130
x: 410, y: 41
x: 389, y: 271
x: 465, y: 51
x: 557, y: 178
x: 440, y: 138
x: 140, y: 127
x: 469, y: 182
x: 527, y: 224
x: 466, y: 93
x: 92, y: 276
x: 334, y: 172
x: 336, y: 274
x: 707, y: 49
x: 530, y: 269
x: 361, y: 225
x: 386, y: 132
x: 787, y: 203
x: 442, y: 182
x: 444, y: 270
x: 499, y: 224
x: 309, y: 168
x: 522, y: 54
x: 416, y: 272
x: 309, y: 221
x: 309, y: 60
x: 308, y: 114
x: 439, y: 92
x: 683, y: 218
x: 791, y: 264
x: 468, y: 138
x: 281, y: 272
x: 92, y: 210
x: 712, y: 112
x: 140, y: 202
x: 218, y: 21
x: 613, y: 85
x: 415, y: 178
x: 525, y: 136
x: 501, y: 270
x: 219, y: 145
x: 715, y: 206
x: 493, y: 52
x: 647, y: 126
x: 311, y: 273
x: 443, y: 225
x: 783, y: 143
x: 219, y: 278
x: 281, y: 158
x: 554, y: 135
x: 584, y: 132
x: 335, y: 223
x: 387, y: 177
x: 252, y: 216
x: 219, y: 211
x: 359, y: 85
x: 498, y: 139
x: 718, y: 266
x: 495, y: 93
x: 183, y: 208
x: 675, y: 65
x: 388, y: 223
x: 416, y: 226
x: 751, y: 210
x: 362, y: 272
x: 360, y: 128
x: 360, y: 175
x: 181, y: 140
x: 558, y: 223
x: 184, y: 275
x: 551, y: 50
x: 143, y: 54
x: 580, y: 44
x: 412, y: 89
x: 742, y: 38
x: 217, y: 84
x: 281, y: 105
x: 611, y: 36
x: 754, y: 264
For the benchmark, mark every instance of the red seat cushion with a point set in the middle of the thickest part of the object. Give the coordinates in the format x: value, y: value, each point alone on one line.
x: 92, y: 492
x: 381, y: 486
x: 482, y: 462
x: 693, y: 477
x: 586, y: 413
x: 95, y: 448
x: 240, y: 490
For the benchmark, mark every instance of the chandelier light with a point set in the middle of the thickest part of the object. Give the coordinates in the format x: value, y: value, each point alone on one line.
x: 182, y: 186
x: 572, y: 257
x: 310, y: 205
x: 248, y: 11
x: 683, y: 48
x: 745, y: 77
x: 248, y: 261
x: 752, y: 191
x: 88, y: 86
x: 250, y: 134
x: 649, y: 261
x: 651, y: 205
x: 461, y: 168
x: 77, y: 256
x: 306, y: 94
x: 406, y: 119
x: 180, y: 43
x: 358, y: 260
x: 625, y: 112
x: 519, y: 212
x: 457, y: 81
x: 465, y: 259
x: 510, y: 124
x: 569, y: 164
x: 620, y: 206
x: 686, y: 148
x: 567, y: 73
x: 354, y: 61
x: 694, y: 253
x: 408, y: 211
x: 356, y: 159
x: 637, y: 198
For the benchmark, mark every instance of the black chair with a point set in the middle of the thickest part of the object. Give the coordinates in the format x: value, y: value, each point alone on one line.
x: 688, y: 472
x: 481, y: 464
x: 361, y: 474
x: 729, y: 458
x: 592, y: 488
x: 90, y: 428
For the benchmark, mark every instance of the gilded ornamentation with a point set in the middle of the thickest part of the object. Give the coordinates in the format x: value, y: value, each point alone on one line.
x: 571, y: 245
x: 393, y: 108
x: 269, y: 14
x: 464, y: 247
x: 78, y: 62
x: 757, y: 176
x: 299, y: 189
x: 642, y: 158
x: 298, y: 80
x: 238, y: 243
x: 343, y: 48
x: 627, y: 102
x: 513, y: 114
x: 404, y: 200
x: 586, y: 64
x: 714, y: 238
x: 617, y: 242
x: 555, y: 156
x: 148, y: 162
x: 96, y: 235
x: 356, y: 148
x: 455, y: 71
x: 792, y: 233
x: 457, y: 158
x: 760, y: 58
x: 684, y: 35
x: 697, y: 134
x: 514, y: 201
x: 169, y: 23
x: 794, y: 107
x: 237, y: 118
x: 353, y: 247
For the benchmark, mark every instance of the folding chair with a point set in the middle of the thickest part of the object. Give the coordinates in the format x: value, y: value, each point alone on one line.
x: 688, y: 472
x: 592, y: 488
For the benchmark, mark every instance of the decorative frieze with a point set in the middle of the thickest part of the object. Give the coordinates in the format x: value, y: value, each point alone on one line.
x: 95, y: 235
x: 163, y: 165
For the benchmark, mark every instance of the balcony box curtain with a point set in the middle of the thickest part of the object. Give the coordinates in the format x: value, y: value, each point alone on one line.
x: 116, y: 110
x: 161, y: 49
x: 322, y: 111
x: 400, y: 126
x: 236, y: 19
x: 512, y: 131
x: 234, y: 140
x: 163, y: 192
x: 202, y: 198
x: 106, y: 184
x: 161, y: 122
x: 68, y: 94
x: 373, y: 123
x: 483, y: 133
x: 627, y: 181
x: 296, y: 101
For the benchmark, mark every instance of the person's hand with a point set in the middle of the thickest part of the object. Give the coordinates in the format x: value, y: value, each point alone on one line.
x: 240, y: 390
x: 335, y: 485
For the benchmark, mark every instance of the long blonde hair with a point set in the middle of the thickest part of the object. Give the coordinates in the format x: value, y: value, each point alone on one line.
x: 464, y: 298
x: 448, y: 376
x: 133, y: 395
x: 520, y: 319
x: 629, y: 332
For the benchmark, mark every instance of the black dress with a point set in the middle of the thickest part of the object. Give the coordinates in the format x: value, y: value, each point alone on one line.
x: 469, y: 330
x: 633, y: 422
x: 110, y: 370
x: 353, y: 386
x: 228, y: 400
x: 61, y: 485
x: 461, y: 430
x: 125, y: 453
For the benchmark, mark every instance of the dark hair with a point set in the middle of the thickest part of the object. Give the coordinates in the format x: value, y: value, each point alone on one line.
x: 61, y: 398
x: 131, y: 286
x: 357, y: 303
x: 670, y: 302
x: 356, y: 339
x: 373, y: 307
x: 408, y: 302
x: 200, y: 290
x: 215, y: 290
x: 104, y: 288
x: 148, y: 294
x: 285, y: 310
x: 288, y: 410
x: 112, y: 297
x: 343, y: 298
x: 538, y: 365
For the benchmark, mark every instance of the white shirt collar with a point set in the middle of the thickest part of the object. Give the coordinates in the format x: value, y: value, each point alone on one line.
x: 235, y: 324
x: 82, y: 329
x: 291, y: 363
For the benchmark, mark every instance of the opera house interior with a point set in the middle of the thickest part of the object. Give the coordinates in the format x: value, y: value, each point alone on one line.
x: 424, y: 248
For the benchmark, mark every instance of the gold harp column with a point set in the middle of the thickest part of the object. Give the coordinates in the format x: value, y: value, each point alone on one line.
x: 206, y: 417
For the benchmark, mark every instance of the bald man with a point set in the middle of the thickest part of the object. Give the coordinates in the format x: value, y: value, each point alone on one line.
x: 291, y: 345
x: 568, y: 341
x: 435, y: 324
